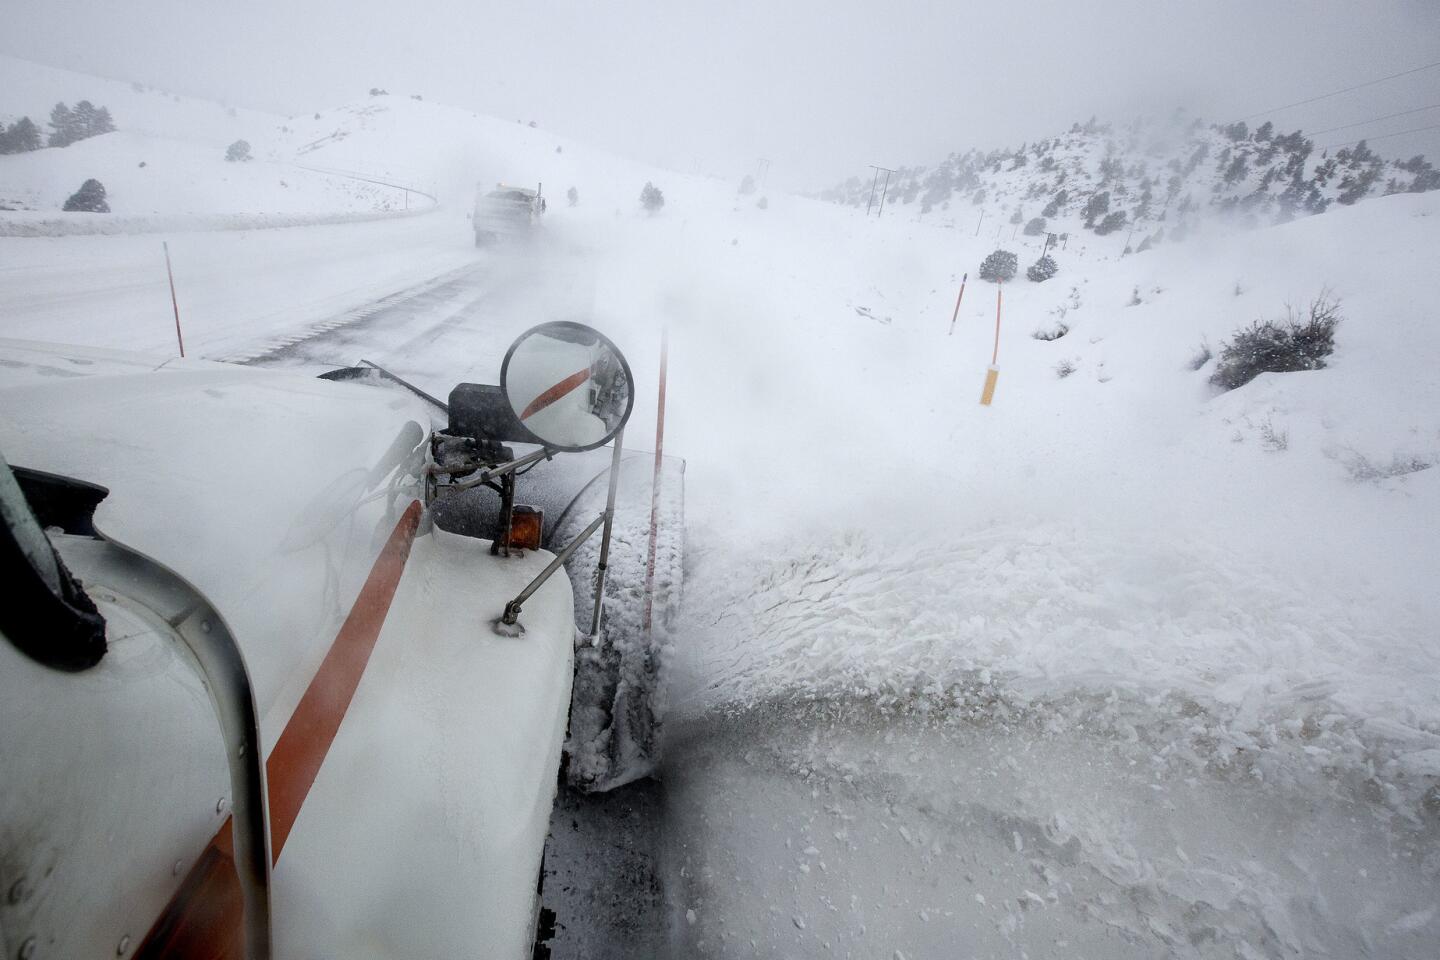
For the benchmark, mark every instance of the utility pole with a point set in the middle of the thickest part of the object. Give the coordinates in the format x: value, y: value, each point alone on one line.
x: 883, y: 191
x: 980, y: 221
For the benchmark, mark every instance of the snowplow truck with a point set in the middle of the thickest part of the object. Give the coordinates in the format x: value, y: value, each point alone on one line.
x: 506, y: 213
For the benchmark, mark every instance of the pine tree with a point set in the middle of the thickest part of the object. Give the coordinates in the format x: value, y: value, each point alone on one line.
x: 1042, y: 269
x: 84, y: 119
x: 747, y: 186
x: 238, y: 151
x: 1098, y: 205
x: 1000, y: 265
x: 90, y: 198
x: 63, y: 123
x: 1111, y: 223
x: 1238, y: 169
x: 573, y: 196
x: 23, y: 135
x: 651, y: 198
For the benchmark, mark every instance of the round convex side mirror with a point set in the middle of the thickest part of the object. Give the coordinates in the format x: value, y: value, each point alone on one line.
x: 568, y: 384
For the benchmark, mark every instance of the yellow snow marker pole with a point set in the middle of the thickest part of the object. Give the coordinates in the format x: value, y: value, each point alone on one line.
x: 993, y: 374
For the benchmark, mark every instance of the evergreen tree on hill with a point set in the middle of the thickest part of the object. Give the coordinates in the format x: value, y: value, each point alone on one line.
x: 90, y: 198
x: 63, y: 129
x: 103, y: 123
x: 1097, y: 206
x: 86, y: 120
x: 1111, y: 223
x: 22, y: 136
x: 83, y: 117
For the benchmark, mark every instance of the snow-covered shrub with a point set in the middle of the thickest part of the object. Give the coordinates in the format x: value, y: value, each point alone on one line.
x: 1000, y: 265
x: 1363, y: 469
x: 651, y: 198
x: 1279, y: 346
x: 573, y: 196
x: 90, y: 198
x: 1056, y: 202
x: 1064, y: 368
x: 763, y: 203
x: 1202, y: 355
x: 238, y: 151
x: 1272, y: 438
x: 1042, y: 269
x: 1051, y: 333
x: 1017, y: 216
x: 1035, y: 227
x: 1111, y: 223
x: 1097, y: 206
x: 747, y: 186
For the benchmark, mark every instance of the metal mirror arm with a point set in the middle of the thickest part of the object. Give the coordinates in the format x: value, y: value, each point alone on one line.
x: 508, y: 623
x: 499, y: 470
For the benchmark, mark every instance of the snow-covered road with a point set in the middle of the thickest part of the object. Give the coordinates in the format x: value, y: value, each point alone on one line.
x: 238, y: 291
x: 839, y: 829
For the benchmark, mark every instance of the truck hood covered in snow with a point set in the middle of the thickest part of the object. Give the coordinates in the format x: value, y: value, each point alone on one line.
x: 271, y: 493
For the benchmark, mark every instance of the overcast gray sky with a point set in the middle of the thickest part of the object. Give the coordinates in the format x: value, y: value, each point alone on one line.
x: 821, y: 87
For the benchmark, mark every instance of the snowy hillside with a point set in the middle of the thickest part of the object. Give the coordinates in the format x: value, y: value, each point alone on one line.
x: 456, y: 150
x: 164, y: 167
x: 32, y: 89
x: 1144, y: 182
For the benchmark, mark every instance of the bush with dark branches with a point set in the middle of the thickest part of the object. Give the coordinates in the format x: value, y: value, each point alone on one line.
x: 1299, y: 342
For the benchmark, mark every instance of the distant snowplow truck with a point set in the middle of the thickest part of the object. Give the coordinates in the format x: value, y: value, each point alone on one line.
x: 506, y: 213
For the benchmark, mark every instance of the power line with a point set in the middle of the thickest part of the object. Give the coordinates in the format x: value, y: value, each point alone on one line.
x: 1383, y: 136
x: 1361, y: 123
x: 1358, y: 86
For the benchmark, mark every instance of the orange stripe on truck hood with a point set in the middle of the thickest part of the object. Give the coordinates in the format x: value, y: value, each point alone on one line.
x: 203, y: 919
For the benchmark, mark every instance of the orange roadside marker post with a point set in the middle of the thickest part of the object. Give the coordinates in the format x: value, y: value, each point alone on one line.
x: 993, y: 374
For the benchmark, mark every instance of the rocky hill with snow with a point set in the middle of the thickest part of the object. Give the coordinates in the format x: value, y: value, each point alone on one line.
x: 1146, y: 182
